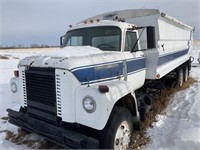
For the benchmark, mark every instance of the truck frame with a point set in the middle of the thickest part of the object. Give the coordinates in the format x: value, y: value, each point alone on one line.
x: 96, y: 89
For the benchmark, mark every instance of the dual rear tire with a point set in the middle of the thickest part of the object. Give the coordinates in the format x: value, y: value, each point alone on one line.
x: 186, y: 74
x: 183, y: 74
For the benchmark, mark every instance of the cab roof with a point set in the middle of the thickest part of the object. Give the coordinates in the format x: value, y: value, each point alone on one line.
x: 96, y: 23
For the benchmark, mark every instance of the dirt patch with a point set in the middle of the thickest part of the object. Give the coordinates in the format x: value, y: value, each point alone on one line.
x: 15, y: 57
x: 4, y: 118
x: 196, y: 43
x: 4, y: 57
x: 8, y: 57
x: 140, y: 138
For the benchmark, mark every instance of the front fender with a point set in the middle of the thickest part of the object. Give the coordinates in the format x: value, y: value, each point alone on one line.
x: 104, y: 102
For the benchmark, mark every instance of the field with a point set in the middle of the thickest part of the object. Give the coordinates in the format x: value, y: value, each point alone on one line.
x: 174, y: 122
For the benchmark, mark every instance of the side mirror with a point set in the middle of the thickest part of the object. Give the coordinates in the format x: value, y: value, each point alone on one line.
x: 61, y: 41
x: 151, y: 39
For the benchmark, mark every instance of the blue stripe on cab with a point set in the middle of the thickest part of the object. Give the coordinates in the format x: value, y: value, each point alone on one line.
x: 107, y: 71
x: 99, y: 72
x: 134, y: 65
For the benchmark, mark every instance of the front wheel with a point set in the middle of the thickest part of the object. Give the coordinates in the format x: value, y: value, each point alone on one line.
x: 117, y: 133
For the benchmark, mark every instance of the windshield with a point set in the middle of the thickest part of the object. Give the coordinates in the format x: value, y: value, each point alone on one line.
x: 104, y: 38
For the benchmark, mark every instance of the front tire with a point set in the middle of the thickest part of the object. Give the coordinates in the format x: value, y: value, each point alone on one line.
x: 117, y: 132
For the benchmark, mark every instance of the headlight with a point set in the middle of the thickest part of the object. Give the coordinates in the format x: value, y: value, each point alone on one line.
x: 89, y: 104
x: 13, y: 87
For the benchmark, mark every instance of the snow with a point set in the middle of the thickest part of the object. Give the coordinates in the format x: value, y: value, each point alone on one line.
x: 178, y: 127
x: 74, y: 51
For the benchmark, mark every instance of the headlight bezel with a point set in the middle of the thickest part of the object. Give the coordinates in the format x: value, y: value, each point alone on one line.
x: 89, y: 99
x: 13, y: 87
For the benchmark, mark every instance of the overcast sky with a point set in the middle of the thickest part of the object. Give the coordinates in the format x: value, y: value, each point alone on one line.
x: 44, y: 21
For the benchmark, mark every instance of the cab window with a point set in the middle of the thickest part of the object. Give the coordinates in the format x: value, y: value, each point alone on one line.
x: 131, y: 41
x: 107, y: 38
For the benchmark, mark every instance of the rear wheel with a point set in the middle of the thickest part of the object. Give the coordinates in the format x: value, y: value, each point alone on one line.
x: 180, y: 77
x: 117, y: 133
x: 185, y: 74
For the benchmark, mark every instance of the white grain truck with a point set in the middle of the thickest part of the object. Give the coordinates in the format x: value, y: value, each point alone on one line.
x: 94, y: 91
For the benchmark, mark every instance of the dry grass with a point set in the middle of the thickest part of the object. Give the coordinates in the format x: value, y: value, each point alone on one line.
x: 140, y: 138
x: 20, y: 139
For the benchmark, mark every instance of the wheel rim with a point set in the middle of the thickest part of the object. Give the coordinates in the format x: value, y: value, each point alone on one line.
x: 122, y: 137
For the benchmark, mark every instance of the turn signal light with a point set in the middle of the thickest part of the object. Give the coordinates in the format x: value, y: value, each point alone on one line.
x: 16, y: 73
x: 103, y: 88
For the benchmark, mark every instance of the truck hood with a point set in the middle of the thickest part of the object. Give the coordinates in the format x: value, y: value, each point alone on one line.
x: 70, y: 57
x: 72, y: 51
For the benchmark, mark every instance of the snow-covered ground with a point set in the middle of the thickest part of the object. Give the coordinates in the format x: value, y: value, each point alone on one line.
x: 178, y: 127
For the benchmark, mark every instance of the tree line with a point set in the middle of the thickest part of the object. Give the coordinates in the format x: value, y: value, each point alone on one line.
x: 23, y: 46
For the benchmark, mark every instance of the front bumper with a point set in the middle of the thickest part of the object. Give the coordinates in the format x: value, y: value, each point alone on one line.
x: 59, y: 135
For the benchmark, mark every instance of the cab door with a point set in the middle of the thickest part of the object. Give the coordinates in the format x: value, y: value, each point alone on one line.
x: 135, y: 60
